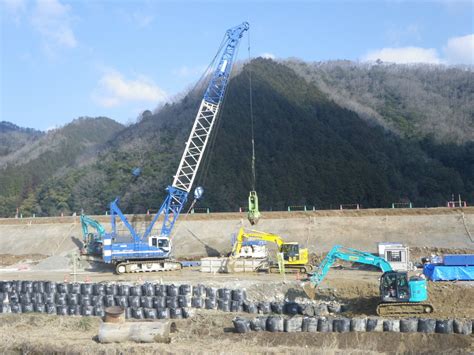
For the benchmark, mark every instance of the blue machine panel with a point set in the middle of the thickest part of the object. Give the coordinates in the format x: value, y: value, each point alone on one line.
x: 458, y: 259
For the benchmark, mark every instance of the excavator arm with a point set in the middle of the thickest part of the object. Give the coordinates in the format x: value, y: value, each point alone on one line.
x: 242, y: 235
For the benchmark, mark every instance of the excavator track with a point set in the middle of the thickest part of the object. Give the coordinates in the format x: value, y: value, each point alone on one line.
x: 403, y: 308
x: 127, y: 267
x: 291, y: 269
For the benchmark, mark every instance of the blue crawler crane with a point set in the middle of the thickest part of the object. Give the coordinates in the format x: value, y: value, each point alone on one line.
x: 399, y: 294
x: 135, y: 252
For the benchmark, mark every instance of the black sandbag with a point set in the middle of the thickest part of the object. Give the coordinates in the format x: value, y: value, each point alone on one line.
x: 135, y: 291
x: 61, y: 287
x: 133, y: 301
x: 444, y: 326
x: 109, y: 300
x: 426, y: 325
x: 307, y: 310
x: 27, y: 287
x: 199, y: 290
x: 184, y: 301
x: 239, y: 295
x: 61, y: 299
x: 334, y: 307
x: 86, y: 300
x: 128, y: 312
x: 72, y: 299
x: 197, y: 302
x: 159, y: 302
x: 320, y: 309
x: 185, y: 289
x: 258, y: 324
x: 148, y: 289
x: 163, y: 313
x: 98, y: 289
x: 6, y: 287
x: 359, y: 324
x: 324, y: 325
x: 97, y: 300
x: 39, y: 307
x: 86, y: 289
x: 123, y: 290
x: 38, y: 286
x: 236, y: 306
x: 293, y: 324
x: 49, y: 297
x: 171, y: 301
x: 37, y: 298
x: 137, y: 313
x: 5, y: 308
x: 223, y: 305
x: 292, y: 308
x: 111, y: 289
x: 15, y: 308
x: 264, y: 308
x: 224, y: 294
x: 25, y: 298
x: 374, y: 325
x: 211, y: 292
x: 250, y: 307
x: 17, y: 285
x: 74, y: 310
x: 391, y: 325
x: 341, y: 325
x: 62, y: 310
x: 123, y: 301
x: 51, y: 308
x: 241, y: 325
x: 310, y: 324
x: 74, y: 288
x: 160, y: 290
x: 99, y: 311
x: 176, y: 313
x: 462, y: 326
x: 187, y: 312
x: 210, y: 303
x: 87, y: 311
x: 14, y: 297
x: 50, y: 287
x: 150, y: 313
x: 275, y: 324
x: 146, y: 301
x: 171, y: 291
x: 409, y: 325
x: 277, y: 307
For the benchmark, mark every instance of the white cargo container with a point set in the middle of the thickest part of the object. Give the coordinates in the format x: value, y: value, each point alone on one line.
x: 397, y: 254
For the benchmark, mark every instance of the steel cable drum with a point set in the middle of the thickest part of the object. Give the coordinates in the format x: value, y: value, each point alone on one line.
x: 293, y: 324
x: 241, y: 325
x: 275, y: 324
x: 374, y: 325
x: 324, y: 325
x: 148, y: 289
x: 310, y: 324
x: 176, y: 313
x: 38, y: 286
x: 409, y: 325
x: 185, y: 289
x: 258, y: 324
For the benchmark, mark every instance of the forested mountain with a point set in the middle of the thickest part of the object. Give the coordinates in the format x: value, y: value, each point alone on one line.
x: 13, y: 137
x: 320, y: 140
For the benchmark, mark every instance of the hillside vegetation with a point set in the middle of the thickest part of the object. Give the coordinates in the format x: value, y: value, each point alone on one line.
x: 325, y: 134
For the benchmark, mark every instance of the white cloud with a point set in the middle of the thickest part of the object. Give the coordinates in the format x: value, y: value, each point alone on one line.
x: 53, y: 22
x: 268, y: 55
x: 460, y: 50
x: 404, y: 55
x: 113, y: 89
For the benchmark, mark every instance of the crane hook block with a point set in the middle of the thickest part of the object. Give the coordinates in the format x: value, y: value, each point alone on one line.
x: 253, y: 213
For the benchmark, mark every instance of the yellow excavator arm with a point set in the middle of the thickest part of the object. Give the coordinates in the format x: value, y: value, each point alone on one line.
x: 269, y: 237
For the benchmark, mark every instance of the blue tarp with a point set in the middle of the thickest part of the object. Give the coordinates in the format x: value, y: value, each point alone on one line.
x: 437, y: 272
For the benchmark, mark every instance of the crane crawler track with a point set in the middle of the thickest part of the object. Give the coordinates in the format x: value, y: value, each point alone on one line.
x: 403, y: 308
x: 138, y: 266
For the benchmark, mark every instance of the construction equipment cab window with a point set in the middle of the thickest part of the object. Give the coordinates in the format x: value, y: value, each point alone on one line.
x: 290, y: 251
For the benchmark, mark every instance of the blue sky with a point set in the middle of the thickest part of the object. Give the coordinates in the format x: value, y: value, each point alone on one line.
x: 61, y: 60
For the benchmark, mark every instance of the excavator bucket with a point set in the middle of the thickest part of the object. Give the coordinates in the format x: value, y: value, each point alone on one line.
x: 310, y: 290
x: 253, y: 214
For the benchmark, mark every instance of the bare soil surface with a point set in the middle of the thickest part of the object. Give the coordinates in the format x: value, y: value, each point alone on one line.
x: 9, y: 259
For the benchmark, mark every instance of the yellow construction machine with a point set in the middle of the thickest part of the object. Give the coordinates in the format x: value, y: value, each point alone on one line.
x: 295, y: 258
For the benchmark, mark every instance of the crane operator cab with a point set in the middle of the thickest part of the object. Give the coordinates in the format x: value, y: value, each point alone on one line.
x: 161, y: 242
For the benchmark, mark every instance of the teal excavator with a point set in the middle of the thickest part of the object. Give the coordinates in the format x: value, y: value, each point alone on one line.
x: 399, y: 294
x: 92, y: 240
